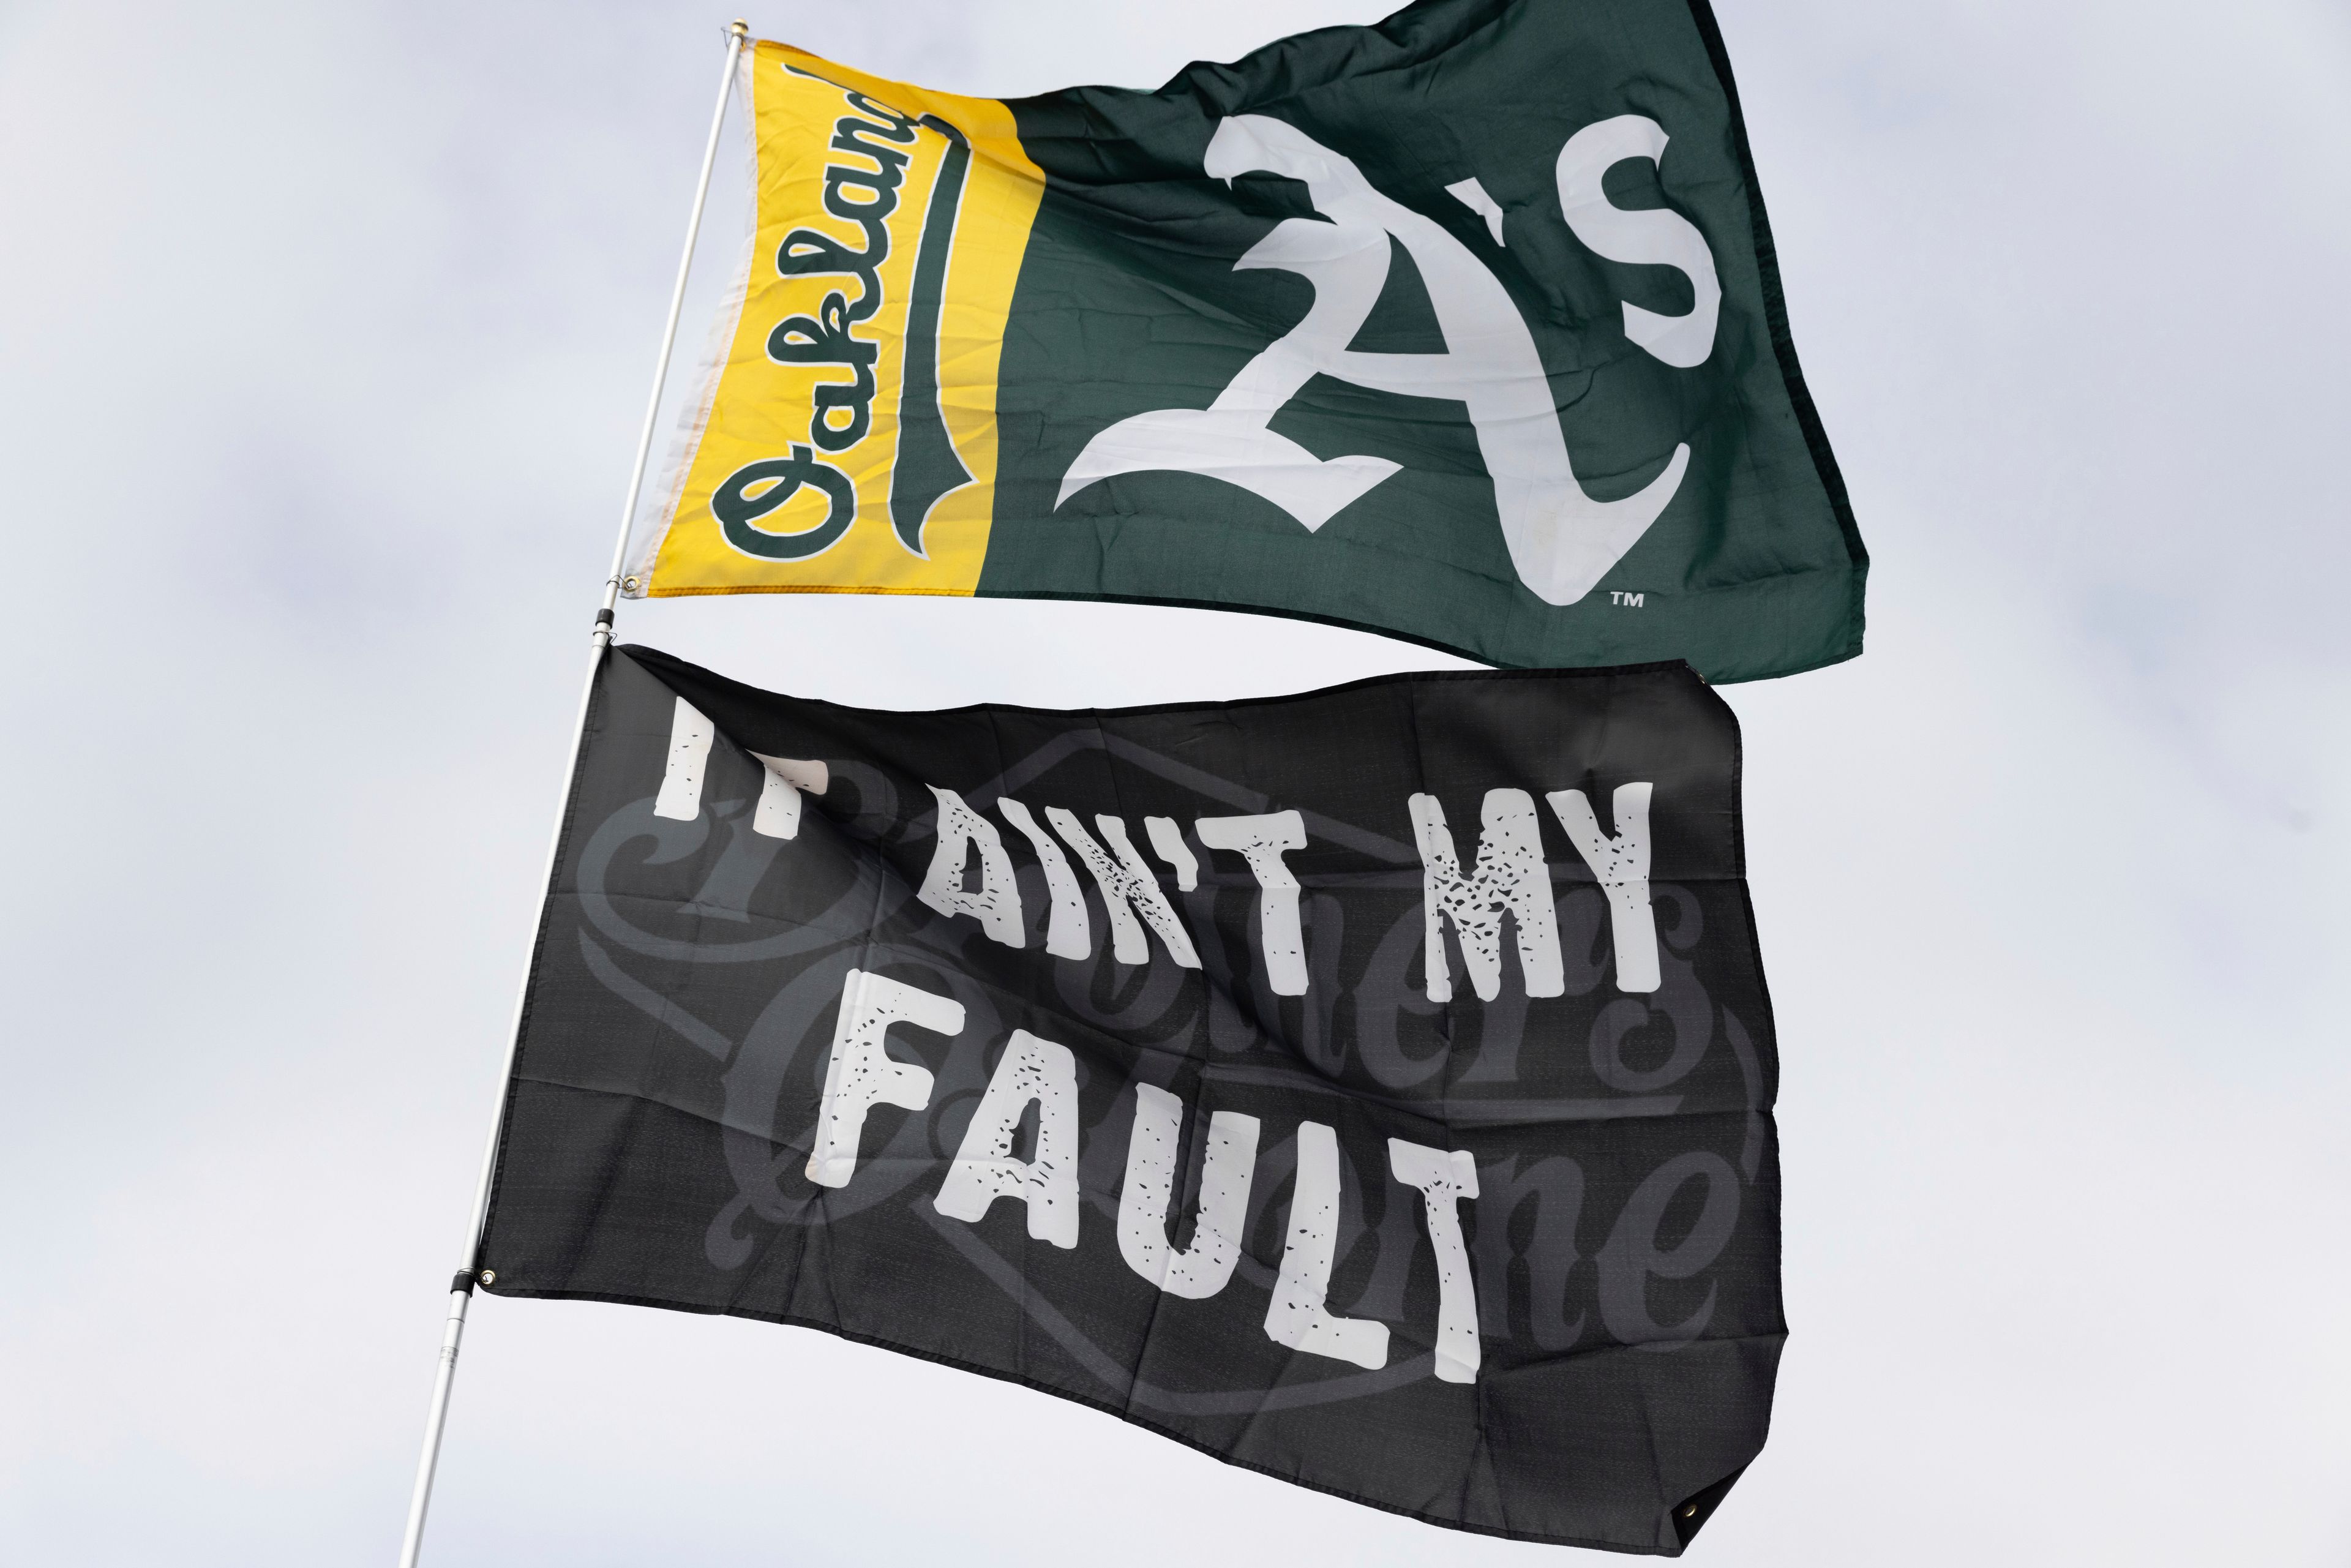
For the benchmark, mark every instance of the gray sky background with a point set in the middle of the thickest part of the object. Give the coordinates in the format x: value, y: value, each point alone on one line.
x: 324, y: 332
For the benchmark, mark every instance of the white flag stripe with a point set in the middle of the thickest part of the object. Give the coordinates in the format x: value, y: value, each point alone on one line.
x: 690, y: 735
x: 777, y: 814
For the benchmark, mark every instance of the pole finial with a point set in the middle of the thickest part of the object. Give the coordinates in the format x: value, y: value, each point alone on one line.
x: 740, y: 28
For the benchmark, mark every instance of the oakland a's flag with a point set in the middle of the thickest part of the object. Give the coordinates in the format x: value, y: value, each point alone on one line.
x: 1464, y: 328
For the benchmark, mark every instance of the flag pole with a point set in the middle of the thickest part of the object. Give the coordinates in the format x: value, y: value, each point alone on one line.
x: 461, y: 1289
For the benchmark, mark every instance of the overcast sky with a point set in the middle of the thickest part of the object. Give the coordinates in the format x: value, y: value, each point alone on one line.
x: 324, y: 333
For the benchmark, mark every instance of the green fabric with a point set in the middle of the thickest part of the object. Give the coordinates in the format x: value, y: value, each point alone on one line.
x: 1129, y: 301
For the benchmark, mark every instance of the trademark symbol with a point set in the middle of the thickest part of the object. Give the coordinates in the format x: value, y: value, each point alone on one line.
x: 1629, y: 600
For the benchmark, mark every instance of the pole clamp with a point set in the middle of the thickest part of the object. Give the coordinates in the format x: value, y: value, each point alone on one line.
x: 462, y: 1285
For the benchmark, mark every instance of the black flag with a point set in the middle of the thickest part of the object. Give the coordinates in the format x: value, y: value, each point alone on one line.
x: 1371, y: 1087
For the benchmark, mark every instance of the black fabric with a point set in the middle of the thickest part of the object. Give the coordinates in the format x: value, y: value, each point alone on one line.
x: 1623, y: 1248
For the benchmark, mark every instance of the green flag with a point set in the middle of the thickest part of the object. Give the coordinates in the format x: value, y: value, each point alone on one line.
x: 1464, y: 328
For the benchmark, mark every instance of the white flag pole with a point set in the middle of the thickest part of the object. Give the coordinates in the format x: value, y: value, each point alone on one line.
x: 461, y: 1289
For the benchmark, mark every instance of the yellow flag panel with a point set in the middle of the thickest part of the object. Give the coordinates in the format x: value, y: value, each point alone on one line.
x: 847, y: 440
